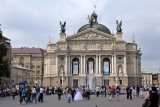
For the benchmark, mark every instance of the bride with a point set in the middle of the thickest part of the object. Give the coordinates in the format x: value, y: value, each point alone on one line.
x: 78, y: 96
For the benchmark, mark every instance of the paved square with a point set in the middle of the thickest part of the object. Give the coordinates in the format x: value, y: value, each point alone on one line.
x: 52, y: 101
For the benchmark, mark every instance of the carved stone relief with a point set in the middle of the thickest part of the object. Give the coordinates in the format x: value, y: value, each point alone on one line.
x: 90, y: 36
x: 62, y: 46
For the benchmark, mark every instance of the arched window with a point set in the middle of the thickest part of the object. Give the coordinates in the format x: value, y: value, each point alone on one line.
x: 106, y: 66
x: 90, y: 66
x: 75, y: 66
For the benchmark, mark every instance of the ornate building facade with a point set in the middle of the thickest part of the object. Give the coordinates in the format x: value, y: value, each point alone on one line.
x: 93, y: 56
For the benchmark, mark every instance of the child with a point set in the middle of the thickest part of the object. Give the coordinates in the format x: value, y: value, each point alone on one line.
x: 69, y: 97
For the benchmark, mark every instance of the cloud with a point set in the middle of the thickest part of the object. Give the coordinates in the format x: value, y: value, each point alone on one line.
x: 29, y: 23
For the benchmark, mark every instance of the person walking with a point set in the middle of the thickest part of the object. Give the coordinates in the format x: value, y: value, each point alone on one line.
x: 127, y: 90
x: 88, y: 93
x: 20, y: 92
x: 29, y: 94
x: 69, y: 96
x: 117, y: 92
x: 137, y: 91
x: 113, y: 91
x: 24, y: 92
x: 141, y: 92
x: 109, y: 92
x: 34, y: 94
x: 73, y: 93
x: 130, y: 93
x: 41, y: 94
x: 59, y: 93
x: 38, y: 93
x: 102, y: 91
x: 97, y: 90
x: 13, y: 92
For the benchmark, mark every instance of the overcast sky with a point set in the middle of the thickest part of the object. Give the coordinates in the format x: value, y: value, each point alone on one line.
x: 28, y: 23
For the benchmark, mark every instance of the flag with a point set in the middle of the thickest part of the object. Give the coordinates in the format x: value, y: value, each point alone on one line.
x: 94, y: 6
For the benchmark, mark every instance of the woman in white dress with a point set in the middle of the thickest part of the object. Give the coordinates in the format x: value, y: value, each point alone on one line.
x: 78, y: 96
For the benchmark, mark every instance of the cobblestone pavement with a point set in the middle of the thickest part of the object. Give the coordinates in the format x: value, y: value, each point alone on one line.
x: 51, y: 101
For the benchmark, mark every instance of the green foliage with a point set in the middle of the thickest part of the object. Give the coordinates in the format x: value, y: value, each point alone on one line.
x: 0, y: 34
x: 4, y: 65
x: 4, y: 69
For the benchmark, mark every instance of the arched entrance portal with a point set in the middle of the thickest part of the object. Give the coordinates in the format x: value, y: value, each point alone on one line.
x: 90, y: 72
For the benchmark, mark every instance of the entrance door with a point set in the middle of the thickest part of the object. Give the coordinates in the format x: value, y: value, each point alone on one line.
x: 75, y: 82
x: 106, y: 83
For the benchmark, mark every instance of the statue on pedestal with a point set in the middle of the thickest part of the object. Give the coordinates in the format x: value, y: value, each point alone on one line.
x: 63, y: 27
x: 119, y: 25
x: 90, y: 18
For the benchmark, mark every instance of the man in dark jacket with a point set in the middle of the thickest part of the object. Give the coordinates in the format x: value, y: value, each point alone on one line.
x: 73, y: 93
x: 59, y: 93
x: 127, y: 90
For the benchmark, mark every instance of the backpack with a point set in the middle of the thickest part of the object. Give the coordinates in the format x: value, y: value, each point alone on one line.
x: 117, y: 90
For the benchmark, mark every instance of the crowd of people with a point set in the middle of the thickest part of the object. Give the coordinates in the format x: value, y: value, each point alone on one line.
x: 35, y: 94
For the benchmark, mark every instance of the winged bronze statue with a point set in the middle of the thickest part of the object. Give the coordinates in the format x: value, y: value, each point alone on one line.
x: 119, y: 25
x: 63, y: 27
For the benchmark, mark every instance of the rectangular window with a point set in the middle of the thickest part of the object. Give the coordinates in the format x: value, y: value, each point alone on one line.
x: 120, y: 82
x: 33, y: 67
x: 38, y: 61
x: 38, y: 72
x: 145, y: 77
x: 38, y: 66
x: 33, y: 61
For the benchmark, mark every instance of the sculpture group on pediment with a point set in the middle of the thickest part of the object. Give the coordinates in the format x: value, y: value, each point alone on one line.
x: 89, y: 36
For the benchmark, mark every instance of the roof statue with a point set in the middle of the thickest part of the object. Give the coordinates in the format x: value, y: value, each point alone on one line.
x: 63, y: 27
x: 90, y: 18
x: 119, y: 25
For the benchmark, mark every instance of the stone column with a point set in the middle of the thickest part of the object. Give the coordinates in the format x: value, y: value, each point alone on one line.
x: 66, y: 71
x: 134, y: 60
x: 81, y: 64
x: 56, y: 64
x: 125, y: 65
x: 84, y: 65
x: 96, y: 64
x: 137, y: 64
x: 49, y: 66
x: 112, y: 64
x: 69, y: 65
x: 99, y: 64
x: 46, y: 65
x: 115, y: 64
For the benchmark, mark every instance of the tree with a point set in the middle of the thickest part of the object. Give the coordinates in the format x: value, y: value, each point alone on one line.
x: 4, y: 63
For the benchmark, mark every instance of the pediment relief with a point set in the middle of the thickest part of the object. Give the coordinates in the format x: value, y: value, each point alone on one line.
x: 91, y: 34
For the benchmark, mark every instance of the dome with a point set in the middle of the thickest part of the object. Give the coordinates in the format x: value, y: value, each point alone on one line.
x: 95, y: 25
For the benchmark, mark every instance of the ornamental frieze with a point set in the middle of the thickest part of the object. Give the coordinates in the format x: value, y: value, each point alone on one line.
x: 62, y: 46
x: 90, y: 36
